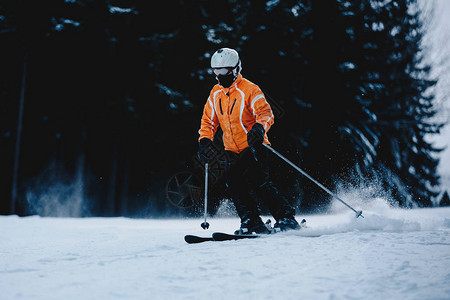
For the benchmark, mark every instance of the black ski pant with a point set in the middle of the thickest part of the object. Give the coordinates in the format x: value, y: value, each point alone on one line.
x: 248, y: 182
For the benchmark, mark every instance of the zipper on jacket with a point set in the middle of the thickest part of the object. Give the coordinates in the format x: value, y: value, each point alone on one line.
x: 229, y: 120
x: 233, y: 106
x: 220, y: 104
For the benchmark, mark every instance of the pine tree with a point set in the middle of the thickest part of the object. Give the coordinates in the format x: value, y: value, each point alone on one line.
x: 445, y: 200
x: 402, y: 108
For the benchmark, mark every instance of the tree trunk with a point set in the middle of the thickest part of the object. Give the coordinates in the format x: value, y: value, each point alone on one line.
x: 18, y: 137
x: 112, y: 188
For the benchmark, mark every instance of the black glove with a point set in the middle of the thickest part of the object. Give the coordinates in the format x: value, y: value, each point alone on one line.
x: 256, y: 135
x: 205, y: 151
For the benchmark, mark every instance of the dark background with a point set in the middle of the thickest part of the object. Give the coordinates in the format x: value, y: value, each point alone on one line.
x: 113, y: 91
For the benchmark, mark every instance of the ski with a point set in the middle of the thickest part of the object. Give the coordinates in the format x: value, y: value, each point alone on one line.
x: 217, y: 237
x: 193, y: 239
x: 221, y: 237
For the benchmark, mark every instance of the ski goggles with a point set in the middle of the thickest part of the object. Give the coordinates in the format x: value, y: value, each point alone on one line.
x: 222, y: 71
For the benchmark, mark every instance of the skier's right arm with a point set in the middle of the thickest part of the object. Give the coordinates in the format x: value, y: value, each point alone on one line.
x: 209, y: 122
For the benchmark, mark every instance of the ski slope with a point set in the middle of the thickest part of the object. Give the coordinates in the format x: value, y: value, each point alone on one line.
x: 390, y: 254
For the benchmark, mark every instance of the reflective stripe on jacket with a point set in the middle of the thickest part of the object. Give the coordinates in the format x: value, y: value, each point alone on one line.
x: 236, y: 110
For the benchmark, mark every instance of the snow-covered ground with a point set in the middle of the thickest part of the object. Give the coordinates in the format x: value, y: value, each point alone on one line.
x: 390, y: 254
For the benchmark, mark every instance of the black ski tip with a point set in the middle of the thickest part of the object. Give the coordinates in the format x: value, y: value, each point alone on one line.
x: 193, y: 239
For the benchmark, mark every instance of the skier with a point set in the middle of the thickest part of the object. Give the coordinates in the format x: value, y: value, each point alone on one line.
x: 241, y: 110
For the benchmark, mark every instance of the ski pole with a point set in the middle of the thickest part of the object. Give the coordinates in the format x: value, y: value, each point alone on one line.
x: 205, y: 225
x: 358, y: 213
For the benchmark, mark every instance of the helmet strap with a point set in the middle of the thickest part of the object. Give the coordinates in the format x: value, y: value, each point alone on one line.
x: 237, y: 69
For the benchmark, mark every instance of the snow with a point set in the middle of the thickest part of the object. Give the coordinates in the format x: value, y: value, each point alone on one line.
x: 62, y: 23
x: 390, y: 254
x: 120, y: 10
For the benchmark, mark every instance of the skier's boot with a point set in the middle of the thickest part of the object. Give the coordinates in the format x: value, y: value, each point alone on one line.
x: 249, y: 226
x: 288, y: 223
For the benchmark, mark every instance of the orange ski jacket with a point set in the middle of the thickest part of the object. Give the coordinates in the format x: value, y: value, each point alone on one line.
x: 236, y: 110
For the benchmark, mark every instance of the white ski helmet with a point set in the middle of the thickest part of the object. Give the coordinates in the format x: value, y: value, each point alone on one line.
x: 226, y: 58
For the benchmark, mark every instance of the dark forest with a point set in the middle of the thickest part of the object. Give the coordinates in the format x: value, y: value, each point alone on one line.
x: 101, y: 100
